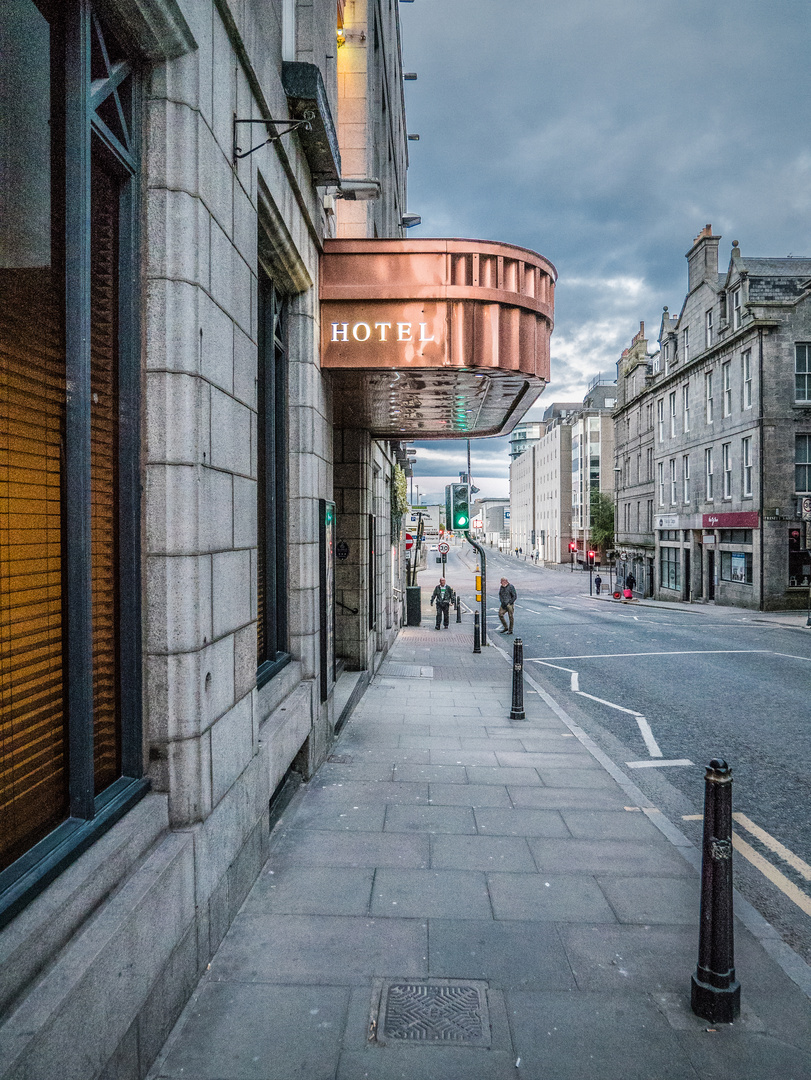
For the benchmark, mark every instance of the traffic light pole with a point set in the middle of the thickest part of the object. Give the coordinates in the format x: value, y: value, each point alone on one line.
x: 483, y: 558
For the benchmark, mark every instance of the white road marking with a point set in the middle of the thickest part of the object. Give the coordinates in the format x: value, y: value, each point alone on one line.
x: 556, y: 666
x: 647, y: 735
x: 610, y: 704
x: 575, y: 683
x: 656, y: 763
x: 774, y: 845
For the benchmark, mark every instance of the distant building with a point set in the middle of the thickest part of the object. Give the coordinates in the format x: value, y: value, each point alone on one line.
x: 495, y: 515
x: 523, y: 436
x: 550, y: 485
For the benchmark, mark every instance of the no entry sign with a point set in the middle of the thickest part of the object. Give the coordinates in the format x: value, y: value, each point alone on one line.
x: 409, y: 541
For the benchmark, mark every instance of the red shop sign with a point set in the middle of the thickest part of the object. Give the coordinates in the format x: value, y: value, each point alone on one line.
x: 746, y: 520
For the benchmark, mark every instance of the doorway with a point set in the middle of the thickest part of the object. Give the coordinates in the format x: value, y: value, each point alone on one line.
x: 710, y: 575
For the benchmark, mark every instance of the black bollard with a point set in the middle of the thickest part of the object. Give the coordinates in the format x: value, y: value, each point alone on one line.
x: 477, y: 636
x: 458, y: 609
x: 716, y: 994
x: 517, y: 710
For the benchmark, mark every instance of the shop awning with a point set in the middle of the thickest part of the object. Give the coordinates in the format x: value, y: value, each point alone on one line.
x: 435, y: 338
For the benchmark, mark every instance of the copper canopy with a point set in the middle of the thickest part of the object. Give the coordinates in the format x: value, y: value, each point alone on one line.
x: 435, y: 339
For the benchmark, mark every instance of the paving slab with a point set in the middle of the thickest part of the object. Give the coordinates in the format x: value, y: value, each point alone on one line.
x: 430, y: 819
x: 548, y: 898
x: 482, y: 774
x: 469, y: 795
x: 610, y: 825
x: 509, y: 955
x: 653, y: 899
x: 631, y: 857
x: 307, y: 890
x: 306, y: 847
x: 520, y: 822
x: 560, y: 798
x: 420, y: 894
x: 482, y: 853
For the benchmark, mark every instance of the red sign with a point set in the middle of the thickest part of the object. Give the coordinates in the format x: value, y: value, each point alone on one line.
x: 409, y: 541
x: 748, y: 519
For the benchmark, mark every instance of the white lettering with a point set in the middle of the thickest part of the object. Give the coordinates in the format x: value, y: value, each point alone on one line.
x: 382, y: 327
x: 361, y: 326
x: 339, y: 331
x: 404, y: 331
x: 423, y: 328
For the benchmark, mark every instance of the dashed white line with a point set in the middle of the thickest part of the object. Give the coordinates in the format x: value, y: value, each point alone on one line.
x: 647, y: 735
x: 657, y: 763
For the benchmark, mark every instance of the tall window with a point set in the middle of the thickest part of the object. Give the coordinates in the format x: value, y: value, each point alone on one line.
x: 70, y: 743
x: 685, y: 402
x: 271, y: 627
x: 649, y: 463
x: 685, y: 473
x: 802, y: 372
x: 670, y: 568
x: 708, y: 473
x: 726, y: 385
x: 661, y: 468
x: 672, y: 403
x: 673, y: 487
x: 660, y: 418
x: 746, y: 374
x: 737, y: 312
x: 802, y: 463
x: 685, y: 343
x: 708, y: 396
x: 708, y: 329
x: 726, y: 461
x: 746, y: 456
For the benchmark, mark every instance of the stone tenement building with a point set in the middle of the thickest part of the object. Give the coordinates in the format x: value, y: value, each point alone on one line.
x: 727, y: 403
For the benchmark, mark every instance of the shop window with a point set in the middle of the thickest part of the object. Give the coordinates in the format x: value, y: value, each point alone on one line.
x: 670, y: 568
x: 70, y: 708
x: 736, y: 566
x: 669, y: 534
x: 272, y: 599
x: 735, y: 536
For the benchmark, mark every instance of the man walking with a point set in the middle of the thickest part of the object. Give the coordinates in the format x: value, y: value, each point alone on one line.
x: 630, y: 582
x: 442, y: 596
x: 506, y: 596
x: 597, y: 583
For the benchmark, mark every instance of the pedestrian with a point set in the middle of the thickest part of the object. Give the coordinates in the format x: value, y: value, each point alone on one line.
x: 597, y: 583
x: 516, y: 553
x: 443, y: 597
x: 630, y: 582
x: 506, y: 596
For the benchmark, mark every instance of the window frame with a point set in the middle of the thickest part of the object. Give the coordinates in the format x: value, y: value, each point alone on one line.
x: 708, y: 397
x: 661, y: 478
x: 726, y: 469
x: 746, y: 465
x: 804, y: 374
x: 708, y: 329
x: 672, y: 404
x: 737, y: 309
x: 685, y: 471
x: 674, y: 488
x: 685, y: 401
x: 708, y: 474
x: 86, y: 135
x: 726, y: 388
x: 660, y: 419
x: 802, y: 461
x: 746, y: 377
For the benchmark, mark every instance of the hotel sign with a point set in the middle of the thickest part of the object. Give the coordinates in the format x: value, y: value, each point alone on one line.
x: 383, y: 334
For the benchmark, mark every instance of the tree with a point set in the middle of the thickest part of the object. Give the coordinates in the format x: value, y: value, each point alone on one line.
x: 602, y: 520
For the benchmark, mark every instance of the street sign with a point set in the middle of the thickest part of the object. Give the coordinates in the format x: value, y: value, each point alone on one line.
x: 806, y: 509
x: 409, y: 541
x: 342, y: 550
x: 444, y: 547
x: 477, y: 523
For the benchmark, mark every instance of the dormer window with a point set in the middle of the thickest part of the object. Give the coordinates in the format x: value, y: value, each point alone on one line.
x: 737, y: 312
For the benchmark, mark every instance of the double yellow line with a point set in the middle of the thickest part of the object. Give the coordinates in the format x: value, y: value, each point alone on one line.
x: 784, y: 884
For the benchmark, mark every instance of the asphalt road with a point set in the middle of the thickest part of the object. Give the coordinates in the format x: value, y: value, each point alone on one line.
x: 681, y: 686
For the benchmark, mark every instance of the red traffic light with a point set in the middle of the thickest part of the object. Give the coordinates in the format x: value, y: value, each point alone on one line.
x: 572, y: 545
x: 592, y: 557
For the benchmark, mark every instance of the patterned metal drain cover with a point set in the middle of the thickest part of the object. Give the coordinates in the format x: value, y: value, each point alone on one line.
x: 433, y: 1011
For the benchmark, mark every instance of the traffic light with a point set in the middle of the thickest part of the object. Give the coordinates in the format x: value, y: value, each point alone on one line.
x: 572, y: 545
x: 592, y: 557
x: 460, y: 507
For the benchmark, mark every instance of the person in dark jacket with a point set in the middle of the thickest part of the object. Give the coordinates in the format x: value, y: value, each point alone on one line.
x: 443, y: 597
x: 630, y: 582
x: 506, y: 596
x: 597, y: 583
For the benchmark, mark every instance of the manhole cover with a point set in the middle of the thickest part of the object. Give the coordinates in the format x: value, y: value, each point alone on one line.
x: 433, y: 1011
x: 406, y: 671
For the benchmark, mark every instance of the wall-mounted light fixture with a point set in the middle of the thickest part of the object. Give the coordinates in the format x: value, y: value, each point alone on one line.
x: 410, y: 76
x: 288, y: 124
x: 358, y: 190
x: 413, y: 137
x: 408, y: 221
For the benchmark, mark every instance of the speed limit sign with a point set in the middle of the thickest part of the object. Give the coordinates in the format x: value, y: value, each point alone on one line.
x: 444, y: 547
x: 806, y: 509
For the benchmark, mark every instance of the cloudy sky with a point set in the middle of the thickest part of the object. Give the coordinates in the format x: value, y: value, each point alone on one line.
x: 605, y: 134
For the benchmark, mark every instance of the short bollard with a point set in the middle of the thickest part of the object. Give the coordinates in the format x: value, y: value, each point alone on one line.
x: 477, y: 634
x: 458, y: 609
x: 517, y: 710
x: 716, y: 994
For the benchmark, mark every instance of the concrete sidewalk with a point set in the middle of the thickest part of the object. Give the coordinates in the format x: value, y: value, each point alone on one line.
x: 451, y: 874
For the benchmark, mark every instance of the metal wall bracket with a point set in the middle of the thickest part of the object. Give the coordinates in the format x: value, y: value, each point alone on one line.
x: 289, y: 125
